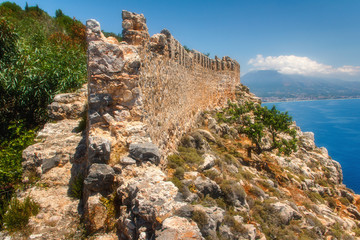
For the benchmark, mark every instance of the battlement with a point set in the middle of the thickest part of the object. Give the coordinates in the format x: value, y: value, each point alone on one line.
x: 148, y: 89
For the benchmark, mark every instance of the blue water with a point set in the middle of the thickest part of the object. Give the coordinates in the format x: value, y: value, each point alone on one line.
x: 336, y: 125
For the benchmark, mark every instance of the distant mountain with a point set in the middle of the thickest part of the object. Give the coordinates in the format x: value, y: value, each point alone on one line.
x: 274, y: 86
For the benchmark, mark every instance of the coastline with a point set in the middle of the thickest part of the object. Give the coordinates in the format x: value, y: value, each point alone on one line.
x: 307, y: 100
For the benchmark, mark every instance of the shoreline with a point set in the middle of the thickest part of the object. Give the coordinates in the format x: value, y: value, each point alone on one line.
x: 310, y: 100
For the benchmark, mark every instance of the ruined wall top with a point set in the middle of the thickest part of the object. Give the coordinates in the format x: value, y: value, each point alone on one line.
x: 135, y: 32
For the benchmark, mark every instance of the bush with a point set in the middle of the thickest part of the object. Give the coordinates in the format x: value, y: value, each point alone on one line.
x: 76, y: 187
x: 232, y: 192
x: 344, y: 201
x: 234, y: 225
x: 200, y: 218
x: 190, y: 156
x: 18, y: 214
x: 179, y: 173
x: 175, y: 161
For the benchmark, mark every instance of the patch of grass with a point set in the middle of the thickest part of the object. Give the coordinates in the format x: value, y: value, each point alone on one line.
x: 177, y: 183
x: 111, y: 205
x: 76, y: 187
x: 190, y: 156
x: 200, y: 218
x: 18, y: 213
x: 337, y: 231
x: 271, y: 223
x: 356, y: 230
x: 211, y: 174
x: 344, y: 201
x: 315, y: 197
x: 83, y: 122
x: 331, y: 202
x: 179, y: 173
x: 232, y: 192
x: 245, y: 175
x: 230, y: 159
x: 234, y: 225
x: 175, y: 161
x: 322, y: 182
x: 208, y: 201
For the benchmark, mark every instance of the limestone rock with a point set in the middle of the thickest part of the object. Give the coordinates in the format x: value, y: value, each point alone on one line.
x: 58, y: 146
x: 99, y: 149
x: 206, y: 186
x: 178, y: 228
x: 207, y: 135
x: 286, y: 212
x: 68, y: 105
x: 354, y: 212
x: 127, y: 161
x: 145, y: 152
x: 95, y: 214
x: 148, y: 196
x: 100, y: 177
x: 214, y: 218
x: 209, y: 162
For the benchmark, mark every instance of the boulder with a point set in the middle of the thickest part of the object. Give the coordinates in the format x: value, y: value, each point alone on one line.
x: 178, y: 228
x: 67, y: 105
x: 207, y: 135
x: 100, y: 177
x: 352, y: 209
x: 286, y: 212
x: 207, y: 187
x: 145, y: 152
x: 127, y: 161
x: 149, y: 197
x: 99, y: 149
x: 214, y: 218
x: 95, y: 214
x: 209, y: 162
x: 49, y: 163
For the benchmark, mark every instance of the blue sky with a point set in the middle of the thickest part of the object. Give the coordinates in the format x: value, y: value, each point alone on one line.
x: 292, y: 36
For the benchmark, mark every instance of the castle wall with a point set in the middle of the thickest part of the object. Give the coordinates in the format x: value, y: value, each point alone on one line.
x: 148, y: 88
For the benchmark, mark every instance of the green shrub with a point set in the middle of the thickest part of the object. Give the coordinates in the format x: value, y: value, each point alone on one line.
x: 344, y: 201
x: 179, y: 173
x: 211, y: 174
x: 200, y: 218
x: 76, y: 187
x: 175, y: 161
x: 190, y: 156
x: 208, y: 201
x: 82, y: 124
x: 18, y: 214
x: 12, y: 6
x: 232, y: 192
x: 315, y: 197
x: 177, y: 183
x: 234, y: 225
x: 331, y: 202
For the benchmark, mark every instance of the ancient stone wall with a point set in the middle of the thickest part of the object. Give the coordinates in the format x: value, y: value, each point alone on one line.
x: 148, y: 89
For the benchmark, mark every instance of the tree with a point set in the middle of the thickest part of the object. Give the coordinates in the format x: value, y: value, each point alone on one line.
x: 59, y: 13
x: 258, y: 122
x: 27, y: 7
x: 277, y: 124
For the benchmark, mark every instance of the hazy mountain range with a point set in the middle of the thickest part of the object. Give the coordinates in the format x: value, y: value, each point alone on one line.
x: 271, y: 85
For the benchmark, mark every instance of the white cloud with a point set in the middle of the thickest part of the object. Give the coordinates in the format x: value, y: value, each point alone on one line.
x: 301, y: 65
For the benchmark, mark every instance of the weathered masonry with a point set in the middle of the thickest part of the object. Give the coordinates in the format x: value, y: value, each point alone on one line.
x: 148, y: 89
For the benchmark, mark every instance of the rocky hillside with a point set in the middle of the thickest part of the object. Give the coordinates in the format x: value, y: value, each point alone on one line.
x: 210, y: 187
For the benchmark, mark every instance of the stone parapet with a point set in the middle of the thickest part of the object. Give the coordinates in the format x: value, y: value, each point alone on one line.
x: 148, y: 89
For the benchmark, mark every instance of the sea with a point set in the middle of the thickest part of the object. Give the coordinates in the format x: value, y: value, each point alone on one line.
x: 336, y: 125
